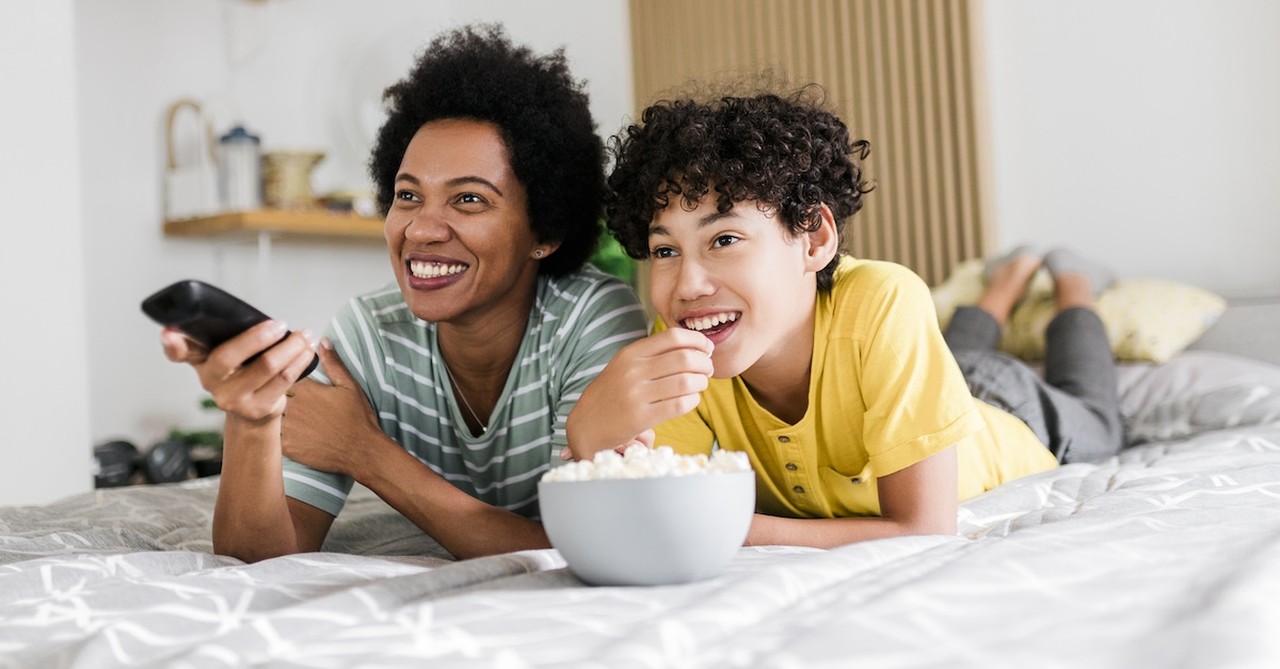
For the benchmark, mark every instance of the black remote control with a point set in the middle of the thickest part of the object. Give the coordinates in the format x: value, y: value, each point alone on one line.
x: 207, y: 314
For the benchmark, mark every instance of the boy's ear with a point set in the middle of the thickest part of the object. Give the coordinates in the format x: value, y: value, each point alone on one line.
x: 824, y: 241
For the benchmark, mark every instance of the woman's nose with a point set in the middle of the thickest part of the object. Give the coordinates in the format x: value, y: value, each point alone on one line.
x: 426, y: 227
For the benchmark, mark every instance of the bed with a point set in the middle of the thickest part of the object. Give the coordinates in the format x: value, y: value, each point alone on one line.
x: 1165, y: 555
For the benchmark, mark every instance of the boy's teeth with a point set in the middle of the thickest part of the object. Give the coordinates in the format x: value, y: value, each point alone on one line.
x: 431, y: 270
x: 708, y: 322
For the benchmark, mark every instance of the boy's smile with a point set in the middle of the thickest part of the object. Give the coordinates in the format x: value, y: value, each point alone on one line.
x: 743, y: 280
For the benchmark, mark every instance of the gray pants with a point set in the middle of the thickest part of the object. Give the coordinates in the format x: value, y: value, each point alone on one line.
x: 1074, y: 409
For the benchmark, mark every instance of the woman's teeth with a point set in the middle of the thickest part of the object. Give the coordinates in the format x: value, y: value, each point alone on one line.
x: 707, y: 322
x: 432, y: 270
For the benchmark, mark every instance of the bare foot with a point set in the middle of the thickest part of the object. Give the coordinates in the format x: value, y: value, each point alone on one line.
x: 1006, y: 284
x: 1073, y: 289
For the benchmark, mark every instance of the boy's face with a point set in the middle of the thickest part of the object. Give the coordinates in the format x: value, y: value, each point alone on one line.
x: 741, y: 279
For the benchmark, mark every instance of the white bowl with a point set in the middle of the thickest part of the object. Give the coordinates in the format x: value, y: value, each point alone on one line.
x: 649, y: 531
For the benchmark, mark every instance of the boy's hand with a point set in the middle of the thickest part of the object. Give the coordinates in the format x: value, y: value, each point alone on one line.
x: 648, y: 382
x: 643, y: 439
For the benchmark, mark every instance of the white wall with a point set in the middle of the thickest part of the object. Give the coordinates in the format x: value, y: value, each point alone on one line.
x: 44, y: 392
x: 89, y: 151
x: 1144, y: 132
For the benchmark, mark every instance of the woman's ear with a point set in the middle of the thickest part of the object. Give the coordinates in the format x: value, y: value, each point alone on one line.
x: 544, y: 249
x: 824, y: 241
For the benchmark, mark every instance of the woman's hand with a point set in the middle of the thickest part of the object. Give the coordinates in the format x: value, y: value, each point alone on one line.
x: 253, y: 392
x: 324, y: 424
x: 648, y: 382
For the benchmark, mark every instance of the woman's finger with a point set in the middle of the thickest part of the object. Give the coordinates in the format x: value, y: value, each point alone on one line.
x: 333, y: 365
x: 178, y: 347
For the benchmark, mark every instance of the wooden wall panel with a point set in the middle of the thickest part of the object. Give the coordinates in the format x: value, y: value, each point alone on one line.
x: 900, y: 72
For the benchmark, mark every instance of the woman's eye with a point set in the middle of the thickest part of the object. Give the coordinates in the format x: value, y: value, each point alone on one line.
x: 469, y: 198
x: 725, y: 240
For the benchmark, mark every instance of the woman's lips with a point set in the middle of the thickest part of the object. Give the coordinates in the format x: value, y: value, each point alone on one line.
x: 433, y: 274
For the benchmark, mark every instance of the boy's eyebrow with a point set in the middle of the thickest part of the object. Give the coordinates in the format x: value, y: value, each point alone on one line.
x: 702, y: 222
x: 454, y: 182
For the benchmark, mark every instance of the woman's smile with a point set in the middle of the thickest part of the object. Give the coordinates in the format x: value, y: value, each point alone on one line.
x: 433, y: 273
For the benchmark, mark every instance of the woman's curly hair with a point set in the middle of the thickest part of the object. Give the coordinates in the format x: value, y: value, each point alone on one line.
x: 786, y: 153
x: 477, y: 73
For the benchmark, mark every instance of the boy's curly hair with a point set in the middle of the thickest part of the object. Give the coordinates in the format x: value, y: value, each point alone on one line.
x: 786, y: 153
x: 477, y: 73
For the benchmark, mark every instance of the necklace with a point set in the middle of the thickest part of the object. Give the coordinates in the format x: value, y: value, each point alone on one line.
x: 457, y: 390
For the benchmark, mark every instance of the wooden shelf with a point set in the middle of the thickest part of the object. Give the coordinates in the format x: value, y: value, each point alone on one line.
x: 278, y: 222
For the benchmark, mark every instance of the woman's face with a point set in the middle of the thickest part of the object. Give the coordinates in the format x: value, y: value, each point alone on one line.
x: 458, y: 229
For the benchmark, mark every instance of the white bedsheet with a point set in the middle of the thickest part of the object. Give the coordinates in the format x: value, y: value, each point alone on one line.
x: 1168, y: 555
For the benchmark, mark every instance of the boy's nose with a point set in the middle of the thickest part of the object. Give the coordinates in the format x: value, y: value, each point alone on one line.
x: 694, y: 281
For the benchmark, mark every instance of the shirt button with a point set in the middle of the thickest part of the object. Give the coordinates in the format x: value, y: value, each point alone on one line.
x: 784, y: 439
x: 791, y: 466
x: 799, y: 490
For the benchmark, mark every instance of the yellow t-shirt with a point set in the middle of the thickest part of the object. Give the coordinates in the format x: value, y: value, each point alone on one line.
x: 884, y: 394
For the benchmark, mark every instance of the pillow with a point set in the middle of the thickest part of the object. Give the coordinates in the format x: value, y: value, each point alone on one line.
x: 1194, y: 392
x: 1147, y: 320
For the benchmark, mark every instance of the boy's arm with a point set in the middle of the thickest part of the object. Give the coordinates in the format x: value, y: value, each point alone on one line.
x: 920, y: 499
x: 648, y: 382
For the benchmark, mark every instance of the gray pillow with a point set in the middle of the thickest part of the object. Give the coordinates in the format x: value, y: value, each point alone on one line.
x: 1197, y: 391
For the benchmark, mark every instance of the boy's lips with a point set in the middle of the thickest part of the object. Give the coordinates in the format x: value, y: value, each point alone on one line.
x: 715, y: 325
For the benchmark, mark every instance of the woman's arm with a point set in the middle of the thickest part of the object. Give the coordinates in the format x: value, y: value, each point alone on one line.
x: 251, y: 519
x: 920, y: 499
x: 463, y: 525
x: 326, y: 420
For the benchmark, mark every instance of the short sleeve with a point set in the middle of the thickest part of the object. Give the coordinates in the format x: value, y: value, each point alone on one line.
x: 917, y: 401
x: 328, y: 491
x: 611, y: 317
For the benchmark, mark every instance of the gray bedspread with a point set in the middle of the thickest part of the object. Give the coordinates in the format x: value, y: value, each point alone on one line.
x: 1167, y: 555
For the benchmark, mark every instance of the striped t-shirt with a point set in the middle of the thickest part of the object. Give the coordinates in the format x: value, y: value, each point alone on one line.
x: 575, y: 326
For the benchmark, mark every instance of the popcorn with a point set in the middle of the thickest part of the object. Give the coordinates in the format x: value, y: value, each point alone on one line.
x: 639, y: 462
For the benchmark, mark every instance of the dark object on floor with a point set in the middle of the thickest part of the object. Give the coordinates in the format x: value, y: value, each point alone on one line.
x: 117, y: 461
x: 167, y: 462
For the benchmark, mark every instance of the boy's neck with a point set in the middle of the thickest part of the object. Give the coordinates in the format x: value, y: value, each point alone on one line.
x: 779, y: 381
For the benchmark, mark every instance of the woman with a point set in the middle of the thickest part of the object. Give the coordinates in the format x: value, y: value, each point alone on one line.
x: 463, y: 375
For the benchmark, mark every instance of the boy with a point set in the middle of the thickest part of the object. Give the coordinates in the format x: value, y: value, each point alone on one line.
x: 830, y: 373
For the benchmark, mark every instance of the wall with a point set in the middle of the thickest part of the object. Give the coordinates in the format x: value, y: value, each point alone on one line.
x: 1139, y: 130
x: 303, y: 75
x: 44, y: 392
x: 1142, y: 132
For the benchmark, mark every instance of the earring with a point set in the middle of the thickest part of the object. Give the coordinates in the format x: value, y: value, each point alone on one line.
x: 537, y: 253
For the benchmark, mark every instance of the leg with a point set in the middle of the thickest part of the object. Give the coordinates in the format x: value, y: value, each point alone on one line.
x: 1074, y: 409
x: 978, y: 327
x: 1079, y: 363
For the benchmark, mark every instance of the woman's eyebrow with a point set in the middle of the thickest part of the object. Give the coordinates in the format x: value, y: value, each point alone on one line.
x: 462, y: 181
x: 454, y: 182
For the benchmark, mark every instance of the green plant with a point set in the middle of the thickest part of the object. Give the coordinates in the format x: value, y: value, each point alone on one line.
x: 609, y: 257
x: 207, y: 438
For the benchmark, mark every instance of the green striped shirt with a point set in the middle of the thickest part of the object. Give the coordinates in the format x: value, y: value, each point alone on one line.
x: 575, y: 326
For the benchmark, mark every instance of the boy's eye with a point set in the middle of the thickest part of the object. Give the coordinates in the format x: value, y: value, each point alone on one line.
x: 662, y: 252
x: 725, y: 240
